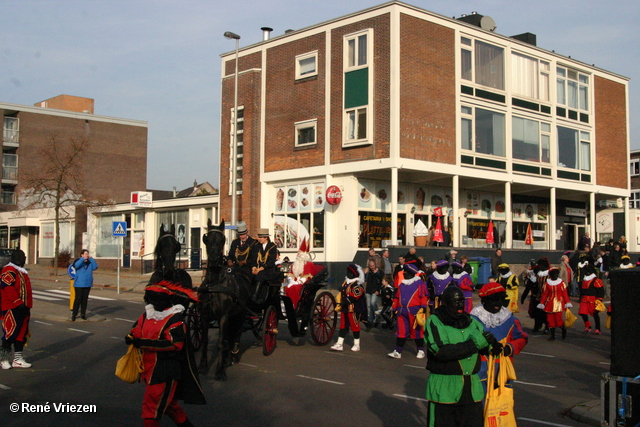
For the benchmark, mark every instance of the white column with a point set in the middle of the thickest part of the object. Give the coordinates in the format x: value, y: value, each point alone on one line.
x: 592, y: 218
x: 394, y: 205
x: 626, y: 219
x: 457, y: 231
x: 508, y: 223
x: 552, y: 219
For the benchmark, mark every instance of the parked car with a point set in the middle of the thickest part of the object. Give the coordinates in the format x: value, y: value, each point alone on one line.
x: 5, y: 256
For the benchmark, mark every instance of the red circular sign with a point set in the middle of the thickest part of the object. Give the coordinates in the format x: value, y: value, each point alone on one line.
x: 334, y: 195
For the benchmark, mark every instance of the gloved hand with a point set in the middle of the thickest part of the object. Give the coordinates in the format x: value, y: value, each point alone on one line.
x: 496, y: 348
x: 507, y: 350
x: 489, y: 337
x: 540, y: 306
x: 129, y: 339
x: 568, y: 305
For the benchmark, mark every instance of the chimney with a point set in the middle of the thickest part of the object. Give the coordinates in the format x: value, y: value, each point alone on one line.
x: 266, y: 33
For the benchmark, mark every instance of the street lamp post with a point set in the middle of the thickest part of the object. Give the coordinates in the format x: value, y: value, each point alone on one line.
x: 234, y: 147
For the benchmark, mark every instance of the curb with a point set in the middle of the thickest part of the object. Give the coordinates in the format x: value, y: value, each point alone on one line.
x: 586, y: 412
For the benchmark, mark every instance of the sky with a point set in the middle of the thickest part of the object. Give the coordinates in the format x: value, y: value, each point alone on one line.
x: 159, y: 60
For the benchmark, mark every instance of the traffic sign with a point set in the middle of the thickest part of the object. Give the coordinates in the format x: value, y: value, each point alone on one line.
x: 71, y: 271
x: 119, y: 229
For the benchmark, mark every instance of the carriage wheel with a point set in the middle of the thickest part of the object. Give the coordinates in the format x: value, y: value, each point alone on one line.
x: 325, y: 318
x: 270, y: 331
x: 194, y: 327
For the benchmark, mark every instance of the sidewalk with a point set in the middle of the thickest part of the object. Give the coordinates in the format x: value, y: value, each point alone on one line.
x: 105, y: 284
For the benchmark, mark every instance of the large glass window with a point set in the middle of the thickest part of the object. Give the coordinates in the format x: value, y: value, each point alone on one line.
x: 357, y: 50
x: 488, y: 131
x: 572, y: 88
x: 530, y: 140
x: 634, y: 200
x: 107, y: 245
x: 487, y: 60
x: 375, y: 229
x: 236, y: 137
x: 11, y: 130
x: 530, y: 77
x: 356, y: 124
x: 48, y: 238
x: 634, y: 167
x: 299, y: 215
x: 574, y: 149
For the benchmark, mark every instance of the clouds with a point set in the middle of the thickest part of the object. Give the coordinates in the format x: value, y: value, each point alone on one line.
x: 159, y: 60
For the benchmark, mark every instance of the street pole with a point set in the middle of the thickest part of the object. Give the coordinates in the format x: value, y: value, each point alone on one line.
x: 234, y: 145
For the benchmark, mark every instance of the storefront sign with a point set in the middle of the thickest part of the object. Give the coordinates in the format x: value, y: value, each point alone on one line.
x: 334, y: 195
x: 576, y: 212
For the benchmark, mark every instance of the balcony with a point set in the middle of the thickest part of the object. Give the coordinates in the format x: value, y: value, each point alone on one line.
x: 11, y: 132
x: 10, y: 169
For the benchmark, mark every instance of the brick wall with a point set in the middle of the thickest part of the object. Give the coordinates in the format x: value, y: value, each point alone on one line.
x: 289, y: 101
x: 612, y: 162
x: 427, y: 91
x: 381, y: 91
x: 115, y: 161
x: 249, y: 96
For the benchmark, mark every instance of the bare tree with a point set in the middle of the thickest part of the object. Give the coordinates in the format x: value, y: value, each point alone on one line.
x: 58, y: 183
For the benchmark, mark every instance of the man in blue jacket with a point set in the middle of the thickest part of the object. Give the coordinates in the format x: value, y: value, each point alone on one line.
x: 84, y: 281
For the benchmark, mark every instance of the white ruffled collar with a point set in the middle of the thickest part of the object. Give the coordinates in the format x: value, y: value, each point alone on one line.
x: 583, y: 264
x: 543, y: 273
x: 458, y: 276
x: 440, y: 276
x: 589, y: 277
x: 20, y: 269
x: 506, y: 275
x: 161, y: 315
x: 491, y: 320
x: 554, y: 282
x: 412, y: 280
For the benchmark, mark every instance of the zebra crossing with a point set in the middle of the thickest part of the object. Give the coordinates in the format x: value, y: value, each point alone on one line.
x: 60, y: 295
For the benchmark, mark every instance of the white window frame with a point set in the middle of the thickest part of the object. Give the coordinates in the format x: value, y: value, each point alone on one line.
x: 11, y: 130
x: 634, y: 200
x: 474, y: 70
x: 472, y: 118
x: 634, y: 167
x: 238, y: 155
x: 544, y: 134
x: 348, y: 140
x: 538, y: 78
x: 356, y: 37
x: 299, y: 68
x: 571, y: 75
x: 307, y: 124
x: 584, y: 157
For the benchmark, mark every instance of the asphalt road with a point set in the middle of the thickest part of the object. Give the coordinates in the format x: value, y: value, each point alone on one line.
x: 300, y: 384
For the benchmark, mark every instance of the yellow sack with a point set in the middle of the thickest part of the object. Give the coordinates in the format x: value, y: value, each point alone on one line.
x: 338, y: 301
x: 498, y: 408
x: 569, y: 318
x: 507, y: 364
x: 600, y: 305
x: 607, y: 323
x: 129, y: 367
x: 421, y: 318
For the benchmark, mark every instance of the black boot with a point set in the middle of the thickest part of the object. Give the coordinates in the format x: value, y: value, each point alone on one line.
x: 552, y: 331
x: 564, y: 332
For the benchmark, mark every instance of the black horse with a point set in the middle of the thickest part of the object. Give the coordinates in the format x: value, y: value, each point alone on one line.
x: 224, y: 295
x: 165, y: 252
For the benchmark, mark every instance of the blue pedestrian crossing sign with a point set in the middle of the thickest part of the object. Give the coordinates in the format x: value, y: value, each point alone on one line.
x: 119, y: 228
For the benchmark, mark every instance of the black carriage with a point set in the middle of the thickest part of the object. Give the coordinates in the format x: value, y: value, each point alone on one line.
x: 314, y: 310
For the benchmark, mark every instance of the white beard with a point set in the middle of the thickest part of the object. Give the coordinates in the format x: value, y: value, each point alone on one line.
x: 298, y: 265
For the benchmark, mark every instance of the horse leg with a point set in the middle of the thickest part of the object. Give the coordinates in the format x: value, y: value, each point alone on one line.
x: 204, y: 362
x: 236, y: 334
x: 223, y: 349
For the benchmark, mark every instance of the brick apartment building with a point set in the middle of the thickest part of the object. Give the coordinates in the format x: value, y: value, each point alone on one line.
x: 406, y: 111
x: 115, y: 163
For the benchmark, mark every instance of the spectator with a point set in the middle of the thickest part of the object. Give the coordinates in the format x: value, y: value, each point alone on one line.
x: 454, y: 341
x: 584, y: 242
x: 397, y: 271
x: 496, y: 260
x: 85, y: 265
x: 388, y: 270
x: 464, y: 260
x: 411, y: 298
x: 387, y: 292
x: 615, y: 257
x: 375, y: 257
x: 373, y: 280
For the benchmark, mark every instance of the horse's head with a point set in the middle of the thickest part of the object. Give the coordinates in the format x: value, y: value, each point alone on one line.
x: 214, y: 241
x: 166, y: 249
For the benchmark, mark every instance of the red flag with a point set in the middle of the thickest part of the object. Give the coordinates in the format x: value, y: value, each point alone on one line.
x: 437, y: 233
x: 490, y: 239
x: 529, y: 239
x: 437, y: 211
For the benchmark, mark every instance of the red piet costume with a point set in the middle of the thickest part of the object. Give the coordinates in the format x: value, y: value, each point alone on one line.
x: 169, y: 367
x: 16, y: 302
x: 591, y: 290
x: 554, y: 298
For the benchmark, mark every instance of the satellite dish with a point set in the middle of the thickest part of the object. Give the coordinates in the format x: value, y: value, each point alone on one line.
x: 488, y: 24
